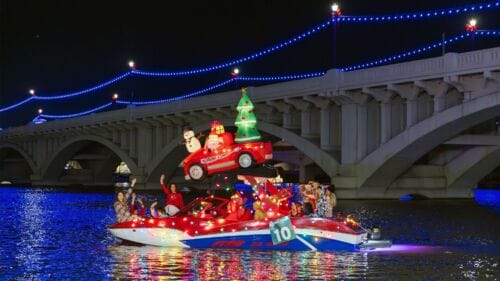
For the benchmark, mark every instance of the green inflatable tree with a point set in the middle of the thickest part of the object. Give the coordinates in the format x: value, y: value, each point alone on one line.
x: 246, y: 122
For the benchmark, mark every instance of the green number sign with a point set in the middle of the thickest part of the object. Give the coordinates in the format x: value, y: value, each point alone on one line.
x: 282, y: 230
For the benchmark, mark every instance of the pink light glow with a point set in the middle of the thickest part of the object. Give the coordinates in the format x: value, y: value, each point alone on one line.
x: 409, y: 249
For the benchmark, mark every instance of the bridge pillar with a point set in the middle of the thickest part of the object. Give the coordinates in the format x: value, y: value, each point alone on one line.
x: 124, y: 139
x: 168, y: 134
x: 115, y: 136
x: 291, y: 118
x: 132, y: 142
x: 309, y: 118
x: 436, y: 89
x: 310, y: 122
x: 330, y: 127
x: 144, y: 144
x: 349, y: 133
x: 384, y: 97
x: 158, y: 138
x: 362, y: 130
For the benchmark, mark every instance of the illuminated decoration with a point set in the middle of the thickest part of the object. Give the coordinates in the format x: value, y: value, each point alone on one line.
x: 114, y: 98
x: 191, y: 141
x: 40, y: 111
x: 246, y: 122
x: 471, y: 26
x: 32, y: 92
x: 221, y: 154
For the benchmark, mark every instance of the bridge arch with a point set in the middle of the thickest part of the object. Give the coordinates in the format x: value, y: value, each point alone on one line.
x: 172, y: 154
x: 55, y: 164
x: 16, y: 172
x: 379, y: 169
x: 466, y: 171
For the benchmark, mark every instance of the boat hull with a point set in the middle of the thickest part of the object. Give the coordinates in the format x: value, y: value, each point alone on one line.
x: 307, y: 239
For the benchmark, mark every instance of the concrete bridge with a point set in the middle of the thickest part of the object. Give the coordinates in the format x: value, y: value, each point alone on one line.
x: 428, y: 126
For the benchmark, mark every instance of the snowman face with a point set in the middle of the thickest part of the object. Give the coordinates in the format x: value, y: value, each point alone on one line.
x: 188, y: 134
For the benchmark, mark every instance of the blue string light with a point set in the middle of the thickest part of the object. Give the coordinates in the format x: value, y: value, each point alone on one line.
x: 322, y: 26
x: 421, y: 15
x: 10, y: 107
x: 99, y: 108
x: 238, y: 60
x: 181, y: 97
x: 280, y: 78
x: 68, y: 95
x: 184, y: 96
x: 84, y: 91
x: 417, y: 51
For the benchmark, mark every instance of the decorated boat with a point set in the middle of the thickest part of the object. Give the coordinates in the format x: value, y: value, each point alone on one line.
x: 257, y: 216
x: 206, y: 223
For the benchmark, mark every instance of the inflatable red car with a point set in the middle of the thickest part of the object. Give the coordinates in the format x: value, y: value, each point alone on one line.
x: 204, y: 162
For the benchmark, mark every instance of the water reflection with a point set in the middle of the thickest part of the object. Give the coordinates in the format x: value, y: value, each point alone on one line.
x: 32, y: 235
x: 50, y: 234
x: 145, y: 262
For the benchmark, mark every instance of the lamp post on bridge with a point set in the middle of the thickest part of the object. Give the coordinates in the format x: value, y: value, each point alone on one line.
x: 336, y: 13
x: 131, y: 65
x: 471, y: 27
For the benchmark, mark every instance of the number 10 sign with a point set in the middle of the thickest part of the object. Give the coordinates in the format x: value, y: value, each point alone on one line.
x: 282, y: 230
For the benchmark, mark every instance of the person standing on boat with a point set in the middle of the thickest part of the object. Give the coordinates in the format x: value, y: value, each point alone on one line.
x: 173, y: 202
x: 330, y: 192
x: 309, y: 199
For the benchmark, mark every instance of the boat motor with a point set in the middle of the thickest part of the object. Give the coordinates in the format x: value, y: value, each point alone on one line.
x: 375, y: 233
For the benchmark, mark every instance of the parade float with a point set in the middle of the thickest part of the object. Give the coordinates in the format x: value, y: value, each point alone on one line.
x: 260, y: 214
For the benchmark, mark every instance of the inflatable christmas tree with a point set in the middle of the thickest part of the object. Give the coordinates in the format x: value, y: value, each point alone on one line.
x: 246, y: 122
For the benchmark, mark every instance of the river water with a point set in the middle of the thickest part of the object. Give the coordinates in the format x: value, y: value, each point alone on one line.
x: 56, y: 234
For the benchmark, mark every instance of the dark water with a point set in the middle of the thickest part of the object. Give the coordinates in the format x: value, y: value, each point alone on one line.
x: 50, y: 234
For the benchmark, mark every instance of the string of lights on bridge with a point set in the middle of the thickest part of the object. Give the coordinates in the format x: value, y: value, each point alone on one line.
x: 421, y: 50
x: 115, y: 96
x: 421, y: 15
x: 336, y: 17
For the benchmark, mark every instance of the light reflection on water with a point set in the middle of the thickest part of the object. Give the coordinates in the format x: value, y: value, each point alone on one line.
x: 146, y: 262
x: 48, y: 234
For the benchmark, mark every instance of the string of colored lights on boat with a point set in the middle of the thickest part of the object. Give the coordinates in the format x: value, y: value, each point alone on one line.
x: 421, y: 15
x: 417, y: 51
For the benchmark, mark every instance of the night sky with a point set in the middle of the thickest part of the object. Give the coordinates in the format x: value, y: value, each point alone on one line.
x: 62, y: 46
